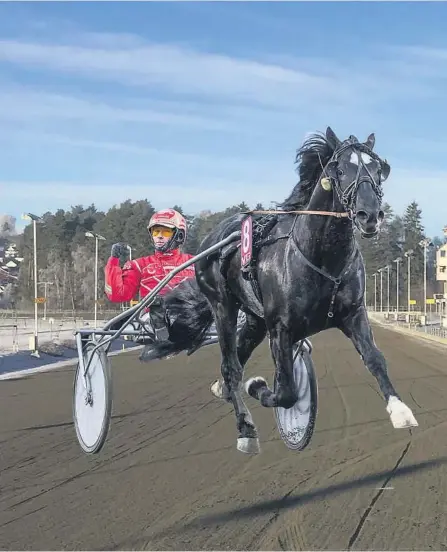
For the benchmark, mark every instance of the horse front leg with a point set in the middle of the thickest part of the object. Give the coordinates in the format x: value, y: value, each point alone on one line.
x: 281, y: 346
x: 358, y: 329
x: 225, y: 315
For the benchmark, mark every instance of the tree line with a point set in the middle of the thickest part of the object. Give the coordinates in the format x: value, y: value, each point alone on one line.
x: 66, y: 257
x: 399, y: 234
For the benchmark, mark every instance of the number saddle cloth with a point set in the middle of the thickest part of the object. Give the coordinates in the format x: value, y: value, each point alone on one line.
x: 262, y: 226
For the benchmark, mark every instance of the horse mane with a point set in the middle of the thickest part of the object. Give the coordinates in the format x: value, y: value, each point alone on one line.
x: 312, y: 156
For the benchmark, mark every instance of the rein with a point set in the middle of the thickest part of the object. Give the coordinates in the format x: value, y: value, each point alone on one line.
x: 323, y: 213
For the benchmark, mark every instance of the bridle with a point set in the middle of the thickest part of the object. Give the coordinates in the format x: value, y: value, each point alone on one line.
x: 348, y: 196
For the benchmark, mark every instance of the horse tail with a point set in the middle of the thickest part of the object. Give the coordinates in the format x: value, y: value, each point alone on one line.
x: 189, y: 317
x: 189, y: 313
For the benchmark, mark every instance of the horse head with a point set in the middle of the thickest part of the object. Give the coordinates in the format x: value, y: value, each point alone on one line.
x: 357, y: 173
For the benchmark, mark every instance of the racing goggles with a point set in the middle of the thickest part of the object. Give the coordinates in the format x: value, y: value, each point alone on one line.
x: 162, y: 231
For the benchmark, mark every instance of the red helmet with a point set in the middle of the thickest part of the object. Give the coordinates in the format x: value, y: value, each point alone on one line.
x: 171, y: 219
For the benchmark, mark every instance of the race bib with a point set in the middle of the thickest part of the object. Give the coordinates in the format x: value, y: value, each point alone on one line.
x: 246, y: 241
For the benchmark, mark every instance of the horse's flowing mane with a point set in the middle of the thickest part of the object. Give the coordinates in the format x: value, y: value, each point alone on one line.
x: 312, y: 156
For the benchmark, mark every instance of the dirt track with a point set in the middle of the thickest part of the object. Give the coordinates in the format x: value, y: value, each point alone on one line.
x: 170, y: 477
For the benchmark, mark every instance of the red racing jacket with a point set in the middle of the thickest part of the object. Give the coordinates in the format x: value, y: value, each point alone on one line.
x: 144, y: 274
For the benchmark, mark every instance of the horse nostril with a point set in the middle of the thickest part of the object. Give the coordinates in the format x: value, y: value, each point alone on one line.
x: 381, y: 216
x: 362, y: 215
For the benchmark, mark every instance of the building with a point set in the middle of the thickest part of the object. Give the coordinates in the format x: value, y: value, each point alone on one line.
x: 441, y: 265
x: 441, y: 276
x: 10, y: 261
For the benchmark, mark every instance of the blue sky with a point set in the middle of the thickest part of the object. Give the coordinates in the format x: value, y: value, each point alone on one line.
x: 204, y: 104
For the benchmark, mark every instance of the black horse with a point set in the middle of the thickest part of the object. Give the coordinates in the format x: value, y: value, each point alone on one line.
x: 306, y: 275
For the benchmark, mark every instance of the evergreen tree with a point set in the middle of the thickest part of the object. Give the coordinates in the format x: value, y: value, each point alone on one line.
x: 66, y: 256
x: 413, y: 235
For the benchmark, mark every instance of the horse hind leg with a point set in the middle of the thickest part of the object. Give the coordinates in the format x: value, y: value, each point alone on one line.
x: 225, y: 317
x: 250, y: 336
x: 286, y: 395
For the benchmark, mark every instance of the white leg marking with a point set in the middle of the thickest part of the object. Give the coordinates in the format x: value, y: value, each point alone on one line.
x: 217, y: 389
x: 249, y: 445
x: 400, y: 415
x: 253, y: 380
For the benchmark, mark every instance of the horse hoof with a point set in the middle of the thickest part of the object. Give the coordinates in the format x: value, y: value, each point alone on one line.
x: 401, y: 416
x: 253, y: 385
x: 249, y: 445
x: 217, y: 389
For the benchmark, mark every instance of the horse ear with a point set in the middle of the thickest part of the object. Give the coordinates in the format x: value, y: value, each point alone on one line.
x: 334, y: 142
x: 386, y: 169
x: 370, y: 141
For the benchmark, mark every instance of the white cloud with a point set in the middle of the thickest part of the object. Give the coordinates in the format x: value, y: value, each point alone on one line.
x: 422, y: 53
x: 17, y: 103
x: 115, y: 159
x: 286, y: 85
x: 178, y: 70
x: 208, y: 91
x: 424, y: 67
x: 92, y: 115
x: 53, y: 140
x: 275, y: 99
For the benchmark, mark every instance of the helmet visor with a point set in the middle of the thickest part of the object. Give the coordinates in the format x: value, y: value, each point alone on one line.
x: 162, y: 231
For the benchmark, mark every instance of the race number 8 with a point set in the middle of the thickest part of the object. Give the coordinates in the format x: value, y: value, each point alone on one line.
x: 246, y: 245
x: 246, y: 238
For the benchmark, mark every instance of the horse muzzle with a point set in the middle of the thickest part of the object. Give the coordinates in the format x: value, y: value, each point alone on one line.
x: 369, y: 223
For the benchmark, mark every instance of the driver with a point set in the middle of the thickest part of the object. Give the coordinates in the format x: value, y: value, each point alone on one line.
x: 167, y: 229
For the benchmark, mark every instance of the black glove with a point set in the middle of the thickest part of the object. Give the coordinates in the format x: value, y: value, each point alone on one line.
x: 120, y: 251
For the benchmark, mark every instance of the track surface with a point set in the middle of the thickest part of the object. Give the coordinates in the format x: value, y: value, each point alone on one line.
x: 170, y: 477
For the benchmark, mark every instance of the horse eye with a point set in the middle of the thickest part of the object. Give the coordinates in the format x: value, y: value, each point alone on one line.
x: 340, y: 172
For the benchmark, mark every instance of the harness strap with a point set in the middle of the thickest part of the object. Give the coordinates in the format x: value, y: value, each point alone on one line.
x: 250, y: 270
x: 336, y: 214
x: 270, y: 240
x: 320, y: 270
x: 337, y: 281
